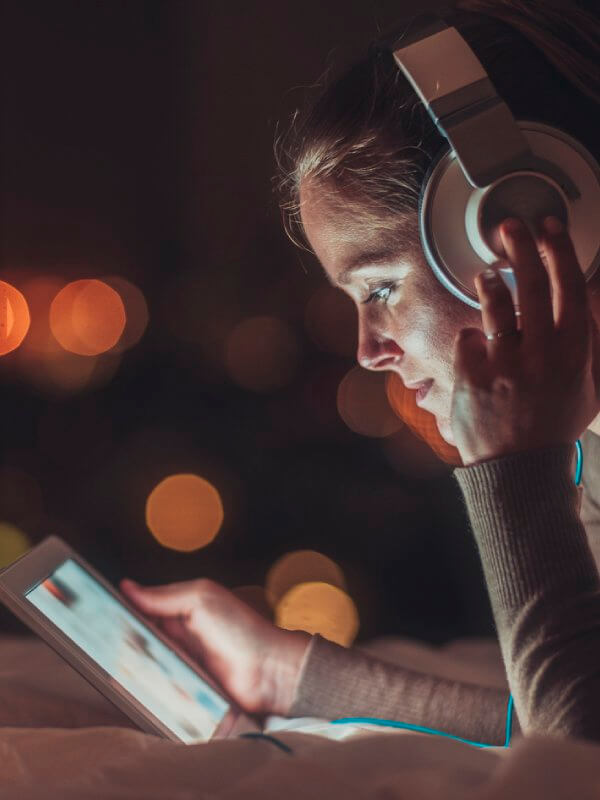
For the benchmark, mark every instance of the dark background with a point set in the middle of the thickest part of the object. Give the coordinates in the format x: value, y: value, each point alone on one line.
x: 137, y: 140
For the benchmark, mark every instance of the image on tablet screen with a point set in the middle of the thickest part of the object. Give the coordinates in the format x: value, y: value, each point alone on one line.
x: 129, y: 652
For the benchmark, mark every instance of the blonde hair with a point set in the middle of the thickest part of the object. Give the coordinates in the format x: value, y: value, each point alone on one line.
x: 369, y: 140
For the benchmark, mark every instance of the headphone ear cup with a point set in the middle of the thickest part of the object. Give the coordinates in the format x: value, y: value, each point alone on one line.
x: 439, y: 155
x: 453, y: 225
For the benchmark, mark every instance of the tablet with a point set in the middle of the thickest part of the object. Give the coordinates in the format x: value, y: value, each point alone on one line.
x: 81, y: 616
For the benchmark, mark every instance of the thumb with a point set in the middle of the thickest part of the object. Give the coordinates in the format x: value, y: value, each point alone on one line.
x: 470, y: 355
x: 171, y: 600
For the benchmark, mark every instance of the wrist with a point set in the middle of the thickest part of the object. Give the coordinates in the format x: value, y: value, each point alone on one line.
x: 283, y: 667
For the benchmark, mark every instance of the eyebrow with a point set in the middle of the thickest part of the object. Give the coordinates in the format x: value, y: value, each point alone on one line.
x: 363, y: 259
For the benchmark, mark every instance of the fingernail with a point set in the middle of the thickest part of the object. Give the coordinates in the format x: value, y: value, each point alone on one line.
x: 490, y: 278
x: 553, y: 226
x: 513, y: 226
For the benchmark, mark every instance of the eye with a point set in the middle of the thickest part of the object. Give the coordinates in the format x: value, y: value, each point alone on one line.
x: 381, y: 295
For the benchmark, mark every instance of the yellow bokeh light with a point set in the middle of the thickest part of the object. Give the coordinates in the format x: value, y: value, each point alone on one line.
x: 14, y: 318
x: 13, y: 543
x: 87, y: 317
x: 363, y: 404
x: 261, y: 354
x: 319, y: 608
x: 184, y: 512
x: 301, y: 566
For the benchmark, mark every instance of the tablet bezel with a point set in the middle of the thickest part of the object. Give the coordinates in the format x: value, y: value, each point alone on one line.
x: 38, y: 564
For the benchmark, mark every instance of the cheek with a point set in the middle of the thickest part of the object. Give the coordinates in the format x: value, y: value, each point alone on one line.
x: 443, y: 317
x: 431, y: 318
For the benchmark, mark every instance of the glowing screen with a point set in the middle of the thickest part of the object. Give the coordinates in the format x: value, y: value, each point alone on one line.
x: 129, y: 652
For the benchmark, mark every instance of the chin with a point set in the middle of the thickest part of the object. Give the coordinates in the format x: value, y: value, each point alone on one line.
x: 445, y: 429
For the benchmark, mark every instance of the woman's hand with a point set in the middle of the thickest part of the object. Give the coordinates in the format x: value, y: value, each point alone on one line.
x: 257, y: 663
x: 538, y: 383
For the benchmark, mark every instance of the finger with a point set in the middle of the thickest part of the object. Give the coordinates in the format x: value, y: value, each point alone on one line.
x: 177, y: 631
x: 533, y: 284
x: 171, y: 600
x: 470, y: 356
x: 569, y: 296
x: 497, y: 314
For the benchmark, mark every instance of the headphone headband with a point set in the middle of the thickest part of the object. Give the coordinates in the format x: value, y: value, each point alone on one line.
x: 495, y: 166
x: 464, y: 104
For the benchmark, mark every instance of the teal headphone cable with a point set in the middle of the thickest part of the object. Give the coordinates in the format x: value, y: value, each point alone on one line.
x: 390, y: 723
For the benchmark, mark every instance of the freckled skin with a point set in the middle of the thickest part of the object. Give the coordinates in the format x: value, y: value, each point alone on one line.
x: 412, y: 333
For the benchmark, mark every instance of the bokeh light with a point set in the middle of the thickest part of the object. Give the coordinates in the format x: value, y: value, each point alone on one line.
x: 13, y: 543
x: 261, y: 354
x: 39, y: 293
x: 420, y: 421
x: 43, y: 360
x: 136, y: 311
x: 331, y: 321
x: 319, y: 608
x: 14, y: 318
x: 184, y: 512
x: 363, y: 404
x: 87, y: 317
x: 301, y: 566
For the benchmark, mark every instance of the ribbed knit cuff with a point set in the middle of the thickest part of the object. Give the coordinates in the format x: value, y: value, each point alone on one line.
x: 337, y: 682
x: 523, y: 510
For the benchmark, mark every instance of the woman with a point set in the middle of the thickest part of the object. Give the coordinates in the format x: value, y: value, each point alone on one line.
x: 354, y: 168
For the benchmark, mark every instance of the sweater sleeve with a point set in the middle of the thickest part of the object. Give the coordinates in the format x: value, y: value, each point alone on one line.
x: 338, y: 682
x: 543, y: 584
x: 590, y: 481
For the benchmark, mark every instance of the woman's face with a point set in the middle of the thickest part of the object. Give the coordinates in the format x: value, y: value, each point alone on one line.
x: 407, y: 320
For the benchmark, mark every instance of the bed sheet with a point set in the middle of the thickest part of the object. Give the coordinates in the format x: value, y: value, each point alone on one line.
x: 59, y: 738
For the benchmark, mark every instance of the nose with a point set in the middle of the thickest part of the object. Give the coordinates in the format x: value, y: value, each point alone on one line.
x: 376, y: 351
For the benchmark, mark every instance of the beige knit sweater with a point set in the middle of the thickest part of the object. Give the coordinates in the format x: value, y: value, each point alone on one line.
x: 545, y: 593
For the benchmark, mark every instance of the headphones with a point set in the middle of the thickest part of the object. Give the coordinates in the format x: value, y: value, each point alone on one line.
x: 495, y: 166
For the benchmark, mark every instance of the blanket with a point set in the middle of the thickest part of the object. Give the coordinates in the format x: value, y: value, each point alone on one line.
x: 59, y: 738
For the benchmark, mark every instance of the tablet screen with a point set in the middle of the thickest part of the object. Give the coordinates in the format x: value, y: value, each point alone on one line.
x: 129, y: 652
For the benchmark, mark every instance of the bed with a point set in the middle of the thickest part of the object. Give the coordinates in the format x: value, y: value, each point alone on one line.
x: 59, y: 738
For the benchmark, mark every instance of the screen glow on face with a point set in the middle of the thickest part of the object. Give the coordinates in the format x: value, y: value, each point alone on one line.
x: 129, y: 652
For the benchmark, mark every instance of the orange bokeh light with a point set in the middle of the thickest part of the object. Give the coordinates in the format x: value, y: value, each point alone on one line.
x: 421, y: 422
x: 184, y: 512
x: 87, y: 317
x: 363, y: 404
x: 319, y: 608
x: 43, y: 360
x: 261, y: 354
x: 301, y: 566
x: 136, y: 311
x: 14, y: 318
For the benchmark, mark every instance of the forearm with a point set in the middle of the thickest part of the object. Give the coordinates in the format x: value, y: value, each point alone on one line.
x: 338, y: 682
x: 543, y: 585
x: 590, y: 505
